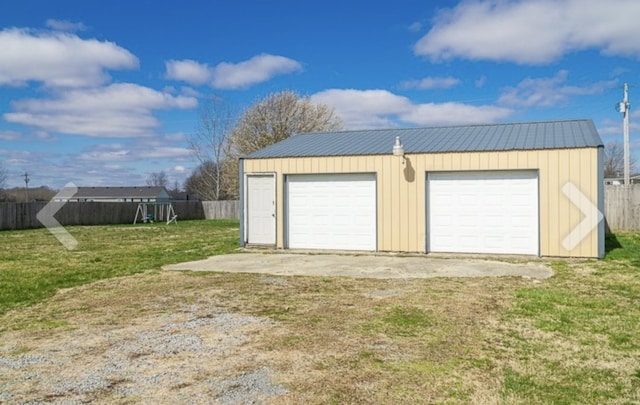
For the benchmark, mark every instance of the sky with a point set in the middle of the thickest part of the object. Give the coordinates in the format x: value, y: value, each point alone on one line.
x: 104, y: 93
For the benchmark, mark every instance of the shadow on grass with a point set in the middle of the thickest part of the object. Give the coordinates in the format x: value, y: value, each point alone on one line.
x: 611, y: 243
x: 623, y: 246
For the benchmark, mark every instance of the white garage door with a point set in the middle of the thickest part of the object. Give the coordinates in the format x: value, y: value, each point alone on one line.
x: 483, y: 212
x: 331, y: 211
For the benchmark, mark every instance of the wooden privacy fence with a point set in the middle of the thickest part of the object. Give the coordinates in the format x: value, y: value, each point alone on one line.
x: 221, y: 209
x: 622, y: 207
x: 23, y: 215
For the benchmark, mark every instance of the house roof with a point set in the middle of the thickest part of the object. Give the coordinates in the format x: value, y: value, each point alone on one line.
x: 120, y: 192
x: 467, y: 138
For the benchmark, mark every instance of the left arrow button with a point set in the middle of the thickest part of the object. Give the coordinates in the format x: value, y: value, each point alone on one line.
x: 45, y: 216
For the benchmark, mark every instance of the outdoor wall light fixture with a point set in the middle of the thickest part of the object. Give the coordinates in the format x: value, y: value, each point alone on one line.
x: 398, y: 149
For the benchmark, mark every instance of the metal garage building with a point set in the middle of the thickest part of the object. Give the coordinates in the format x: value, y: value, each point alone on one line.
x: 525, y: 188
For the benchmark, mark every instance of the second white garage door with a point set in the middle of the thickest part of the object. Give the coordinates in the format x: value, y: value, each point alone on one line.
x: 331, y: 211
x: 483, y: 212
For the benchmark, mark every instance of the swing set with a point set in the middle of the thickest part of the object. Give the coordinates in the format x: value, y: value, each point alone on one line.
x: 150, y: 212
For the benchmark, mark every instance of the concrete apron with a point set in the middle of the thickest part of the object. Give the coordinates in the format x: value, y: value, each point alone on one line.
x: 359, y: 265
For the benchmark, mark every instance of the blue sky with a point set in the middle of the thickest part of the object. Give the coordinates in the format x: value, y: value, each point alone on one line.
x: 107, y: 92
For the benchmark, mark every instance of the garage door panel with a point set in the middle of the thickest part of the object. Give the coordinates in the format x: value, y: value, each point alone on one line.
x: 335, y: 211
x: 483, y: 212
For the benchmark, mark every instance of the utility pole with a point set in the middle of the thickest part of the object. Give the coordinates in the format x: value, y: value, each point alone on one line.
x: 623, y: 107
x: 26, y: 186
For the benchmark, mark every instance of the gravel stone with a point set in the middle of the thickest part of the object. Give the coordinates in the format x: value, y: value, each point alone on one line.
x: 22, y: 361
x: 5, y: 396
x: 242, y: 388
x: 162, y: 354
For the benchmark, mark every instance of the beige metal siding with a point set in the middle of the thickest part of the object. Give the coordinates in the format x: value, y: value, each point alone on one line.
x: 401, y: 190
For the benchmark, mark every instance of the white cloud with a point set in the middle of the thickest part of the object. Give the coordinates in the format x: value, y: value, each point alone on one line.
x: 114, y: 167
x: 118, y: 110
x: 361, y: 109
x: 619, y: 71
x: 188, y: 70
x: 415, y: 27
x: 22, y: 159
x: 117, y: 163
x: 225, y: 75
x: 131, y: 154
x: 184, y: 90
x: 548, y: 92
x: 65, y: 25
x: 108, y: 152
x: 364, y: 109
x: 454, y: 114
x: 532, y: 31
x: 45, y: 136
x: 10, y: 136
x: 258, y: 69
x: 133, y: 151
x: 481, y: 81
x: 40, y: 136
x: 96, y: 172
x: 175, y: 137
x: 190, y: 92
x: 106, y: 156
x: 429, y: 83
x: 58, y: 59
x: 164, y: 152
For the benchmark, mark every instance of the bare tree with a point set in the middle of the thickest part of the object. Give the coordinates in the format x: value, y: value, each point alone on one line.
x: 158, y: 179
x: 176, y: 187
x: 199, y: 182
x: 272, y: 119
x: 209, y: 145
x: 614, y: 160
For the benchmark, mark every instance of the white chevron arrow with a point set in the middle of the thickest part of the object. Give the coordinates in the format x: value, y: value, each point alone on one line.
x: 45, y: 216
x: 592, y: 216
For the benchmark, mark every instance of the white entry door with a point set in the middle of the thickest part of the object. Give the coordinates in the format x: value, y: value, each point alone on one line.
x: 483, y: 212
x: 261, y: 209
x: 331, y: 211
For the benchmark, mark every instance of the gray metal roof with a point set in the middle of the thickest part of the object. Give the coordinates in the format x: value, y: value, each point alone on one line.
x: 467, y: 138
x: 120, y: 192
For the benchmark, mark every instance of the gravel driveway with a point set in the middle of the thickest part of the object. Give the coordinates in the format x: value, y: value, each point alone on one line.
x: 161, y: 359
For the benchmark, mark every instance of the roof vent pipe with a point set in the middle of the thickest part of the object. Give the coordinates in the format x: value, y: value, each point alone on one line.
x: 398, y: 149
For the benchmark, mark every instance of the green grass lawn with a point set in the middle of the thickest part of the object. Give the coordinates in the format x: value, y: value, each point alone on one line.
x: 34, y: 265
x: 570, y: 339
x: 577, y: 336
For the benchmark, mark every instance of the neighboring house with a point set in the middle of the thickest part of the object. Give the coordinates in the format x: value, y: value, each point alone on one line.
x: 120, y: 194
x: 490, y: 189
x: 618, y: 181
